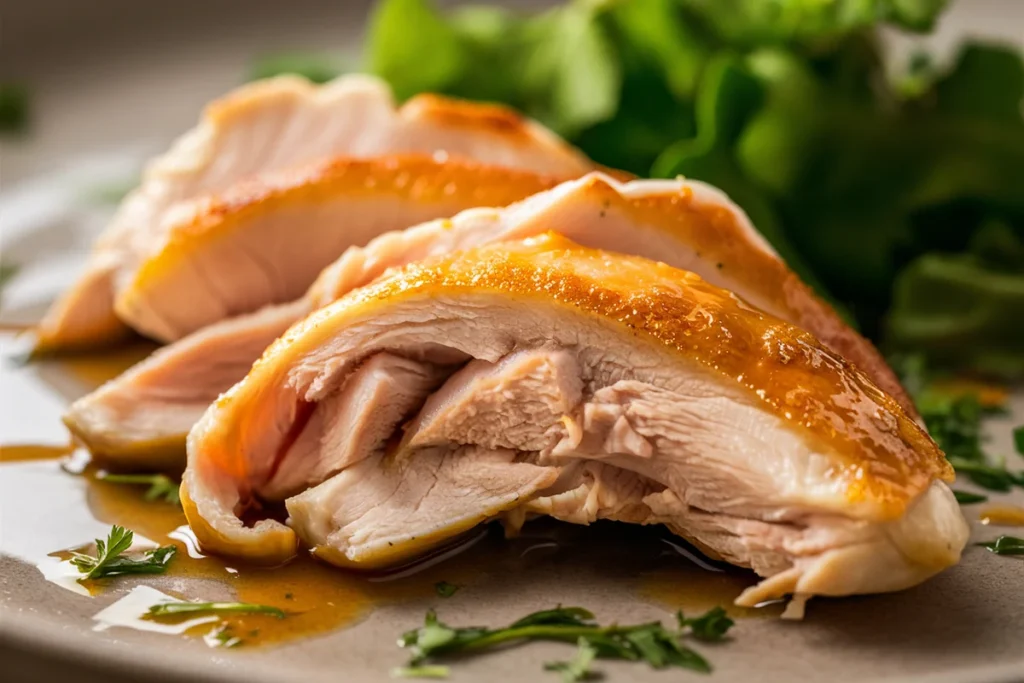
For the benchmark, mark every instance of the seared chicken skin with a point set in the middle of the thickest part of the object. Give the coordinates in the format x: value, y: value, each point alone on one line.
x: 265, y: 127
x: 140, y: 419
x: 539, y: 377
x: 686, y: 224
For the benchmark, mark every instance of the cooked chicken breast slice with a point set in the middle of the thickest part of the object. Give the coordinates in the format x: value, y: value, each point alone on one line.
x: 683, y: 223
x: 264, y: 242
x: 140, y: 419
x: 273, y: 125
x: 682, y: 404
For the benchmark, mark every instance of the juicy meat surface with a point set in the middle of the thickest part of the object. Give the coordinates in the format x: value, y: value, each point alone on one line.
x: 264, y: 242
x: 583, y: 385
x: 273, y: 125
x: 685, y: 224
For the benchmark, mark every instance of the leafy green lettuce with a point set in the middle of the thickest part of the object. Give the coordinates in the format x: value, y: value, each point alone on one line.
x: 900, y: 198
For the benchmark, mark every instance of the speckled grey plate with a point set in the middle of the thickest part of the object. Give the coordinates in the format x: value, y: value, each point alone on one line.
x: 114, y: 81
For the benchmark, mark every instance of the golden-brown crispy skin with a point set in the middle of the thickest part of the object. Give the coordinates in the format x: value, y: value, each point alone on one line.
x: 885, y: 458
x: 67, y: 327
x: 715, y: 232
x: 495, y: 119
x: 409, y: 177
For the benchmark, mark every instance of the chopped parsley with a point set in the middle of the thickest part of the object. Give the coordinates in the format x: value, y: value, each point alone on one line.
x: 1018, y: 439
x: 445, y: 589
x: 1005, y: 545
x: 710, y: 626
x: 111, y: 561
x: 954, y: 422
x: 160, y: 485
x: 650, y: 642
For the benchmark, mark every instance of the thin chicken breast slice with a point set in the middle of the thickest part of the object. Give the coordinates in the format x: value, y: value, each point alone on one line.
x: 273, y: 125
x: 683, y: 223
x: 264, y: 242
x: 139, y: 420
x: 695, y: 410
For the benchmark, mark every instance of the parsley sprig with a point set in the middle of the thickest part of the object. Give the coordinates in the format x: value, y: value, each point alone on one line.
x: 161, y: 486
x: 650, y: 642
x: 111, y: 561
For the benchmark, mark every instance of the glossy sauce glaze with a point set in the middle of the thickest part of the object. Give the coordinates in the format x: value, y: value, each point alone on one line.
x: 1003, y: 515
x: 318, y: 598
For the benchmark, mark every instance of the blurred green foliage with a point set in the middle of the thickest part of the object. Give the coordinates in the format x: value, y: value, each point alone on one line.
x: 902, y: 198
x: 14, y: 108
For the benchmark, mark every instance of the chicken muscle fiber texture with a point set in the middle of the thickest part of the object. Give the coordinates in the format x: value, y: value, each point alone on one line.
x: 273, y: 125
x: 682, y: 406
x: 684, y: 223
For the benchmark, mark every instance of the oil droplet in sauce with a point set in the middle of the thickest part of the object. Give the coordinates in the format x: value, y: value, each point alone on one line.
x: 1003, y: 515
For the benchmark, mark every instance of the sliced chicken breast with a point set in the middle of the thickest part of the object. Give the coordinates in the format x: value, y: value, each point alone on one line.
x: 264, y: 242
x: 140, y: 419
x: 683, y: 223
x: 583, y: 385
x: 269, y: 126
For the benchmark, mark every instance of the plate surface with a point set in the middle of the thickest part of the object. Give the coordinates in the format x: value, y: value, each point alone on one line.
x: 106, y: 99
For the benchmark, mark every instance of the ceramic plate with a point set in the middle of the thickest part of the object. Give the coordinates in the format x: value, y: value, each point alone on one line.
x: 101, y: 112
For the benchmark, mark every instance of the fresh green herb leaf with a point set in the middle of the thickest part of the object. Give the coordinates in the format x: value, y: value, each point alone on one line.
x: 1018, y: 439
x: 445, y: 589
x: 165, y: 609
x: 650, y: 642
x: 968, y: 498
x: 712, y: 625
x: 1005, y: 545
x: 110, y: 560
x: 14, y: 108
x: 430, y: 671
x: 577, y: 668
x: 316, y: 68
x: 160, y: 486
x: 900, y: 202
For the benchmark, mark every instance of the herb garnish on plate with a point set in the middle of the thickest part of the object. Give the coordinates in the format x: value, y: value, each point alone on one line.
x: 445, y: 589
x: 650, y: 642
x: 111, y: 561
x: 1005, y: 545
x: 160, y: 485
x: 165, y: 609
